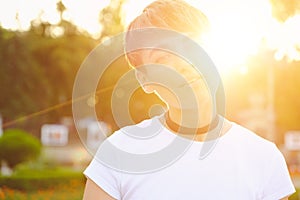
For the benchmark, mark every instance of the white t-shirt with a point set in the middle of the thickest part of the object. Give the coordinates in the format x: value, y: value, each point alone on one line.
x: 240, y: 166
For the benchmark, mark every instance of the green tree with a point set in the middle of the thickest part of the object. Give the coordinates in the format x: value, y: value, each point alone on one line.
x: 38, y: 68
x: 17, y: 146
x: 60, y: 8
x: 110, y: 19
x: 37, y: 71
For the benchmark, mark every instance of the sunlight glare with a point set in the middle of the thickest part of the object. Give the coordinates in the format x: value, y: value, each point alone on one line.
x: 237, y: 27
x: 9, y: 10
x: 132, y: 9
x: 243, y: 70
x: 284, y: 37
x: 85, y: 14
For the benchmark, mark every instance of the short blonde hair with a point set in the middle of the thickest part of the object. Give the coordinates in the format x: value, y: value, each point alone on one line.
x: 175, y: 15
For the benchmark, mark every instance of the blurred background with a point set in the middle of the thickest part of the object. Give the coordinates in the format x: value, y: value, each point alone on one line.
x: 254, y: 43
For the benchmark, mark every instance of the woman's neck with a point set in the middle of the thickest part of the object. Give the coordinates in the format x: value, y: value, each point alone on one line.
x: 191, y: 118
x: 204, y: 120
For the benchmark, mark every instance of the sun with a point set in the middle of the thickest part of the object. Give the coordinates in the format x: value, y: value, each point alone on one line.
x: 238, y: 29
x: 235, y: 32
x: 231, y: 41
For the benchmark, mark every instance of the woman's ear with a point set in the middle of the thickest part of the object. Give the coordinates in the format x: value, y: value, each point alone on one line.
x: 142, y: 79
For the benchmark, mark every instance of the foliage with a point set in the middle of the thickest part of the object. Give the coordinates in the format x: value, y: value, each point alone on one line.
x: 295, y: 196
x: 72, y: 190
x: 282, y: 9
x: 110, y: 18
x: 37, y: 72
x: 17, y: 146
x: 29, y: 180
x: 38, y: 68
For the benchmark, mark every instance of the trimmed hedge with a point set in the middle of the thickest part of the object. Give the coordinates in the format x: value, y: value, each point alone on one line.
x: 29, y: 180
x: 18, y: 146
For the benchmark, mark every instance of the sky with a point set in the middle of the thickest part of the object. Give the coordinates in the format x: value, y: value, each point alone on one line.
x: 238, y: 27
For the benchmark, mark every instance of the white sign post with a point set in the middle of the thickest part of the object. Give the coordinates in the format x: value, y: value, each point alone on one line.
x: 292, y: 140
x: 54, y: 135
x: 96, y: 133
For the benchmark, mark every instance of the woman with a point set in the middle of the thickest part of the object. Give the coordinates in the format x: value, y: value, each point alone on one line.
x: 237, y: 165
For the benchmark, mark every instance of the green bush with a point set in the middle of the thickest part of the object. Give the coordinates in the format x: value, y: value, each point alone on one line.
x: 30, y: 180
x: 17, y: 146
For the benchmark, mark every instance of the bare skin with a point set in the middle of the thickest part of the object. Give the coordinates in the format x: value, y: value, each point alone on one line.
x: 93, y: 191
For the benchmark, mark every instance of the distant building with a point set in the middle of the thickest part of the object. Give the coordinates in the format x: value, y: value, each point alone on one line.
x: 65, y: 145
x: 54, y: 135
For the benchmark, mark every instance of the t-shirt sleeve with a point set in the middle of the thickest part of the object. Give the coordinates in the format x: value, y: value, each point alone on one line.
x: 278, y: 181
x: 105, y: 177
